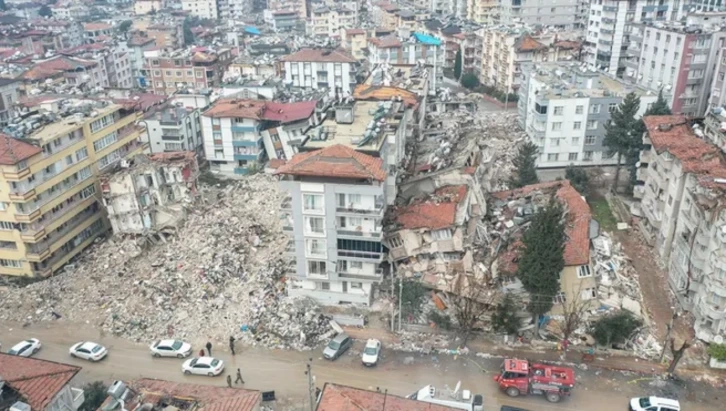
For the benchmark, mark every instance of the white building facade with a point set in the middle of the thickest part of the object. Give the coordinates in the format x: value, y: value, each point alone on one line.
x: 204, y: 9
x: 171, y: 128
x: 318, y: 69
x: 561, y: 14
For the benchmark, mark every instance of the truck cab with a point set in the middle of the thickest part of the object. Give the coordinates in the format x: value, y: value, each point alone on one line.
x: 519, y: 377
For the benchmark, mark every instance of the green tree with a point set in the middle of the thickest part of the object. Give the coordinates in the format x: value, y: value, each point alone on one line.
x: 95, y: 394
x: 469, y: 80
x: 623, y: 134
x: 457, y: 65
x: 45, y: 11
x: 3, y: 7
x: 614, y: 328
x: 525, y: 165
x: 442, y: 321
x: 579, y: 179
x: 125, y: 26
x: 717, y: 351
x: 153, y: 11
x: 187, y: 29
x: 542, y: 259
x: 505, y: 318
x: 659, y: 108
x: 413, y: 296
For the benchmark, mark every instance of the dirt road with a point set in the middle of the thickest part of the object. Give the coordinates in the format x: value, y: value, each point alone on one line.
x: 283, y: 371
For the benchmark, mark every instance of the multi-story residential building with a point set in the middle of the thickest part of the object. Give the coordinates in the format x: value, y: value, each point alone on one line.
x: 171, y: 128
x: 610, y: 24
x: 240, y: 135
x: 683, y: 179
x: 235, y: 9
x: 32, y: 384
x: 331, y: 21
x: 564, y: 110
x: 83, y: 73
x: 355, y: 40
x: 150, y: 193
x: 113, y: 60
x: 50, y: 212
x: 168, y: 71
x: 8, y: 96
x: 706, y: 5
x: 70, y: 11
x: 204, y: 9
x: 94, y: 32
x: 166, y: 35
x: 384, y: 15
x: 455, y: 8
x: 300, y: 7
x: 335, y: 205
x: 321, y: 69
x: 482, y: 11
x: 678, y: 59
x: 71, y: 31
x: 409, y: 50
x: 562, y: 14
x: 282, y: 20
x: 142, y: 7
x: 135, y: 48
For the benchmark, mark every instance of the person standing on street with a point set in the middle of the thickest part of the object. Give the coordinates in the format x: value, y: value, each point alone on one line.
x: 209, y: 348
x: 239, y: 377
x: 231, y: 344
x: 229, y: 381
x: 201, y: 352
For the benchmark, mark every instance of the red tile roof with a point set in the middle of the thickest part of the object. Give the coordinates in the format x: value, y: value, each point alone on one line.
x: 577, y: 228
x: 341, y: 398
x: 96, y: 26
x: 355, y: 31
x: 262, y: 110
x: 56, y: 65
x: 38, y: 381
x: 276, y: 163
x: 675, y: 135
x: 321, y: 56
x: 335, y: 161
x: 289, y: 112
x: 137, y: 41
x: 13, y: 151
x: 385, y: 42
x: 435, y: 212
x: 527, y: 43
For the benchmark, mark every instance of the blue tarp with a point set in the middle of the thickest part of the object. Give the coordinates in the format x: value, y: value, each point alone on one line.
x: 426, y: 39
x: 253, y: 30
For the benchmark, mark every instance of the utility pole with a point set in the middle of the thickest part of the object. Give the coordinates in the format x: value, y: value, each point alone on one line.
x: 311, y: 384
x: 400, y: 300
x: 668, y: 334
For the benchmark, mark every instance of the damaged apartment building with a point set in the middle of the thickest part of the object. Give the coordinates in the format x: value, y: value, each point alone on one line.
x: 682, y: 178
x: 149, y: 193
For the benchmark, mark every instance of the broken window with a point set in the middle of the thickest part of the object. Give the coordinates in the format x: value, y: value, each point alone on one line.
x: 583, y: 271
x: 443, y: 234
x: 395, y: 242
x: 588, y: 294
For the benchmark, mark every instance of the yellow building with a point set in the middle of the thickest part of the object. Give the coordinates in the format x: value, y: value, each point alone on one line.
x: 482, y: 11
x: 49, y: 208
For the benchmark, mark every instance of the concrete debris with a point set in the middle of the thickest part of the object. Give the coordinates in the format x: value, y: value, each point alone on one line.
x: 421, y: 342
x: 221, y: 275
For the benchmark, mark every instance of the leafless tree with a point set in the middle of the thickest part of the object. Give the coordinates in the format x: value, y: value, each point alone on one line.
x: 471, y: 301
x: 677, y: 354
x: 574, y: 314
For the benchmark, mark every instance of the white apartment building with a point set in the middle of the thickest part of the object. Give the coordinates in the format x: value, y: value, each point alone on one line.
x: 70, y: 12
x: 142, y: 7
x: 610, y: 23
x: 455, y: 8
x: 562, y: 14
x: 204, y: 9
x: 321, y: 69
x: 171, y: 128
x: 564, y: 110
x: 331, y: 21
x: 676, y: 58
x: 683, y: 179
x: 334, y: 211
x: 240, y: 135
x: 234, y: 9
x: 482, y: 11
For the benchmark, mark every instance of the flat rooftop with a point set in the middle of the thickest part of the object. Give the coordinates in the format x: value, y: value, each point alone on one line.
x: 70, y: 123
x: 570, y: 80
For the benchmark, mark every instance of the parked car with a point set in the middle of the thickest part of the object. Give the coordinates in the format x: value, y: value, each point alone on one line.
x: 654, y: 404
x: 88, y: 351
x: 337, y: 346
x: 508, y: 408
x: 171, y: 348
x: 26, y: 348
x: 371, y: 352
x: 203, y: 366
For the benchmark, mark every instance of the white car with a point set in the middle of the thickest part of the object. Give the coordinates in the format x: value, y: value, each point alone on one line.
x: 171, y: 348
x: 88, y: 351
x: 26, y: 348
x: 654, y: 404
x: 203, y: 366
x: 371, y: 353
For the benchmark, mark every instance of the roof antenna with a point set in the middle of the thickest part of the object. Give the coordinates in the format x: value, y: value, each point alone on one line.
x: 385, y: 395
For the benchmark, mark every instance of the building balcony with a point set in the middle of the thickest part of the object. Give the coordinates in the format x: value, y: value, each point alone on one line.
x: 79, y: 397
x: 247, y: 143
x: 125, y: 135
x: 711, y: 311
x: 248, y: 157
x: 608, y: 20
x: 36, y: 231
x: 610, y: 9
x: 359, y: 233
x: 242, y: 129
x: 378, y: 276
x: 40, y: 251
x: 377, y: 211
x: 367, y: 256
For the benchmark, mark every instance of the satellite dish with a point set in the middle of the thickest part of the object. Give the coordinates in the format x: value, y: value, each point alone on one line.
x: 458, y: 387
x: 718, y: 339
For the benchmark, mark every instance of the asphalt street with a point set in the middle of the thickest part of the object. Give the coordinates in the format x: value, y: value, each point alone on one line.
x: 284, y: 371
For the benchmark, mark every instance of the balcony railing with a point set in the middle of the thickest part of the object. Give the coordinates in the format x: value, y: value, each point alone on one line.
x: 360, y: 233
x: 375, y: 277
x: 365, y: 255
x: 73, y: 223
x: 376, y: 211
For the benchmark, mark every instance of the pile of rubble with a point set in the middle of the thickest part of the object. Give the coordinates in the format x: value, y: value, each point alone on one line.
x: 219, y: 276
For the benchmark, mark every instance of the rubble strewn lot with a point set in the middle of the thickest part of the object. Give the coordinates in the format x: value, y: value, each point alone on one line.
x: 220, y: 272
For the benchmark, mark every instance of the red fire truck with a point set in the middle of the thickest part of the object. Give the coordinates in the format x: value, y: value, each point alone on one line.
x: 522, y: 377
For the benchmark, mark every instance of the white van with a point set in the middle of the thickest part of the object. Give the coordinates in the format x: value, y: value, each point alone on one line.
x: 654, y: 404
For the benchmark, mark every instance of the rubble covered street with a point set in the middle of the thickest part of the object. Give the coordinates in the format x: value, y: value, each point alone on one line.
x: 219, y: 273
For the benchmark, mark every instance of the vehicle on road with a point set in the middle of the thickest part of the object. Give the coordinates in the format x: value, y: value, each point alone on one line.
x: 171, y: 348
x: 461, y: 400
x: 654, y: 404
x: 371, y: 352
x: 520, y: 377
x: 508, y: 408
x: 26, y: 348
x: 88, y: 351
x: 337, y: 346
x: 203, y: 366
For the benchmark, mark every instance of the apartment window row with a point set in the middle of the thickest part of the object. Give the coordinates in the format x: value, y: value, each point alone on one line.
x: 109, y: 158
x: 81, y: 154
x: 102, y: 122
x: 87, y: 192
x: 104, y: 142
x: 586, y: 156
x: 11, y: 263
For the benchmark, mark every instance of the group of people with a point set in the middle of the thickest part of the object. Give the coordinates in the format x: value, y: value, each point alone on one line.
x: 231, y: 348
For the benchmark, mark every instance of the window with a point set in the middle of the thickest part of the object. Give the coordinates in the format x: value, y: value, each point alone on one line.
x: 104, y: 142
x: 219, y: 153
x: 612, y: 107
x: 6, y: 225
x: 314, y: 225
x: 395, y: 242
x: 315, y: 247
x: 554, y: 141
x: 592, y: 124
x: 588, y: 294
x: 552, y: 157
x: 84, y: 173
x: 587, y: 155
x: 556, y: 126
x: 577, y: 125
x: 173, y: 147
x: 572, y: 157
x: 356, y: 286
x: 443, y: 234
x: 583, y: 271
x: 81, y: 154
x: 559, y: 298
x: 316, y: 267
x: 559, y: 110
x: 589, y: 140
x: 325, y: 286
x: 358, y: 265
x: 3, y: 206
x: 575, y: 141
x: 88, y: 191
x: 11, y: 263
x: 102, y: 122
x: 595, y: 109
x: 313, y: 202
x: 579, y: 109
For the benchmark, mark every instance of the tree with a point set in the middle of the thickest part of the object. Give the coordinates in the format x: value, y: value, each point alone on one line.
x: 457, y: 65
x: 579, y: 179
x: 442, y: 321
x: 45, y: 11
x: 187, y: 29
x: 470, y: 300
x: 3, y: 7
x: 505, y: 318
x: 659, y: 108
x: 677, y: 354
x: 615, y: 328
x: 623, y: 133
x: 125, y: 26
x: 413, y: 295
x: 542, y: 259
x: 469, y: 80
x: 573, y: 316
x: 525, y: 166
x: 153, y: 11
x: 95, y: 394
x: 717, y: 352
